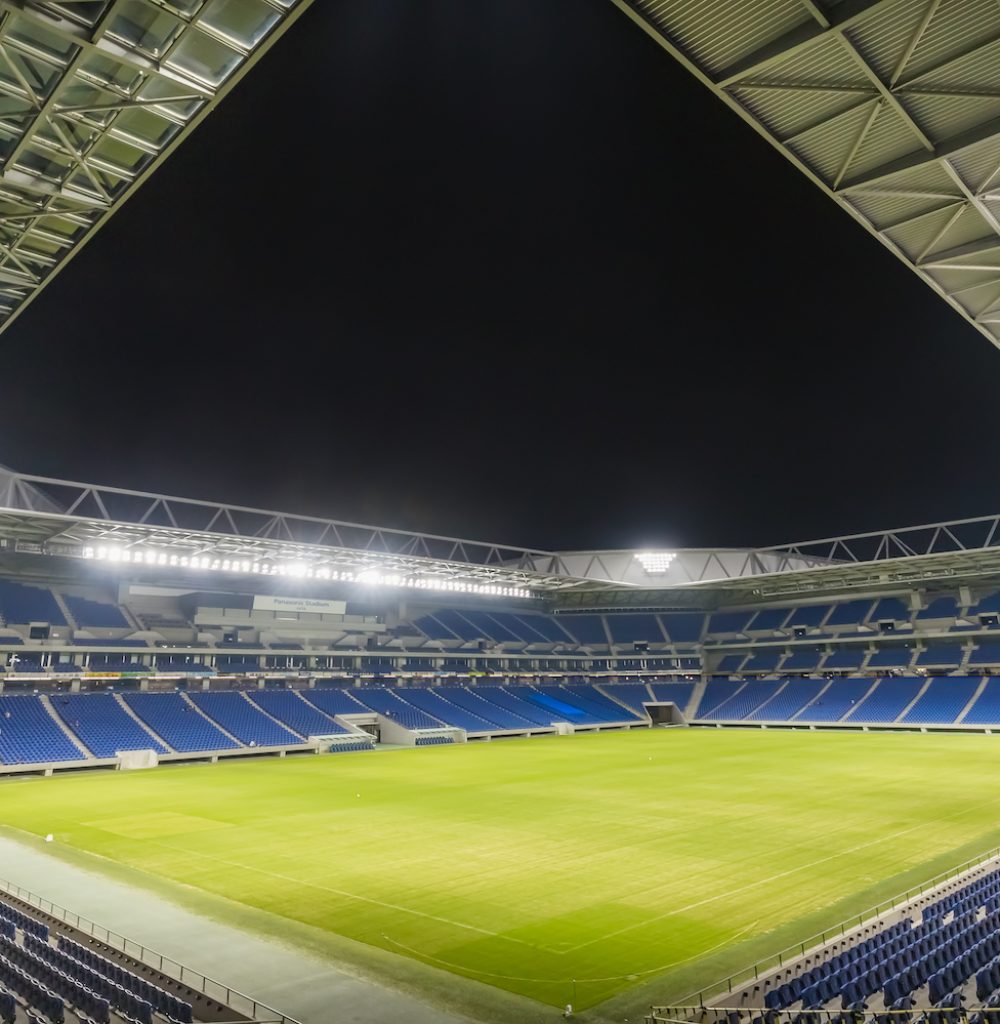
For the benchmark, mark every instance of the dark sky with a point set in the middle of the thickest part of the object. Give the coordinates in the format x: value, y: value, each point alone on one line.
x: 500, y: 270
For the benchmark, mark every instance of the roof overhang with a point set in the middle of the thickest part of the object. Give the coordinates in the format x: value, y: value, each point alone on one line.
x: 94, y: 95
x: 891, y: 107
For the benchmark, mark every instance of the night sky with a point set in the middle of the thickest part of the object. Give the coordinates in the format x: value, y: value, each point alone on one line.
x: 500, y: 270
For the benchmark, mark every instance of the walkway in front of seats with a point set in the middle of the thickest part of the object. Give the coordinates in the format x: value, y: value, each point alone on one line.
x: 294, y: 982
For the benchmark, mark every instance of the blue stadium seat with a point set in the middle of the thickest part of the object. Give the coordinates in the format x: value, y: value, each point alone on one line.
x: 789, y: 701
x: 943, y: 701
x: 292, y: 711
x: 722, y: 623
x: 30, y: 735
x: 587, y: 629
x: 986, y: 710
x: 102, y: 724
x: 747, y: 699
x: 628, y: 628
x: 177, y: 722
x: 683, y: 627
x: 101, y: 614
x: 839, y: 698
x: 767, y: 620
x: 887, y: 701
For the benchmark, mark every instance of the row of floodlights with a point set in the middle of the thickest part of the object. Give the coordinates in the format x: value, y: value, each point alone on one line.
x: 300, y: 570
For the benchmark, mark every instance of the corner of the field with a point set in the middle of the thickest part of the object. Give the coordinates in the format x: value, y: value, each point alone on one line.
x: 477, y: 1003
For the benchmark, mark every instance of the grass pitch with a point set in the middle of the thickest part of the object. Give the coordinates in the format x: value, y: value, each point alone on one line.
x: 562, y: 869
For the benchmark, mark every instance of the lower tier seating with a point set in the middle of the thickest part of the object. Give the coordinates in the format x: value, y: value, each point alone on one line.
x: 30, y: 735
x: 289, y: 708
x: 102, y: 724
x: 244, y: 720
x: 178, y: 722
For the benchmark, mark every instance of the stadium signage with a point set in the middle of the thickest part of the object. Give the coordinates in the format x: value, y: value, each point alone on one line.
x: 267, y: 603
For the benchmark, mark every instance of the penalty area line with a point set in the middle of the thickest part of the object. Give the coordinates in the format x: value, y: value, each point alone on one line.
x: 778, y: 876
x: 352, y: 896
x: 633, y: 976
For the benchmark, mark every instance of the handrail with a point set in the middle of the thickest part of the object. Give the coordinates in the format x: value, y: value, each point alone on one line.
x: 255, y: 1011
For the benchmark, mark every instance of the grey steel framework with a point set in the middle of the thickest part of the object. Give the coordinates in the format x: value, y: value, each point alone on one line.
x: 45, y: 515
x: 951, y: 553
x: 94, y: 94
x: 892, y: 107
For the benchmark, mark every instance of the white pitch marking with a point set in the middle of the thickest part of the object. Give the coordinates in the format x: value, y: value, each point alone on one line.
x: 773, y: 878
x: 352, y: 896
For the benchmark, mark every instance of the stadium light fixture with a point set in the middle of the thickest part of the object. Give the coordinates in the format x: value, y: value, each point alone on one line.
x: 144, y: 556
x: 656, y: 562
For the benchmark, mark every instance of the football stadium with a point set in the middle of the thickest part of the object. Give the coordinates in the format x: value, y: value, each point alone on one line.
x: 260, y: 765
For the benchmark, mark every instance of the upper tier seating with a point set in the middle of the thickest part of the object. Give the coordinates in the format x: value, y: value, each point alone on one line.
x: 891, y: 657
x: 731, y: 662
x: 547, y: 627
x: 683, y: 627
x: 942, y: 701
x: 767, y: 620
x: 802, y: 659
x: 890, y: 609
x: 763, y: 661
x: 102, y: 724
x: 627, y: 628
x: 460, y: 625
x: 887, y: 701
x: 940, y: 608
x: 177, y: 722
x: 941, y: 655
x: 588, y: 629
x: 490, y: 628
x: 728, y: 622
x: 809, y: 616
x: 849, y: 613
x: 29, y: 734
x: 23, y: 604
x: 836, y: 701
x: 291, y: 710
x: 790, y: 700
x: 244, y: 720
x: 95, y: 613
x: 432, y: 629
x: 985, y: 654
x: 845, y: 658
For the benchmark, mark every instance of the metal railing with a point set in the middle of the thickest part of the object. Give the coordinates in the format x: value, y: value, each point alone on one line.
x: 244, y: 1005
x: 762, y: 968
x: 744, y: 1015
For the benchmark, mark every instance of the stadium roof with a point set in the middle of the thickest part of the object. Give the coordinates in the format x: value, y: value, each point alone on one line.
x: 46, y: 516
x: 892, y: 107
x: 94, y: 94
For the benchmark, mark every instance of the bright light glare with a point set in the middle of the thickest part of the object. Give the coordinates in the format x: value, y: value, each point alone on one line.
x: 656, y: 561
x: 301, y: 570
